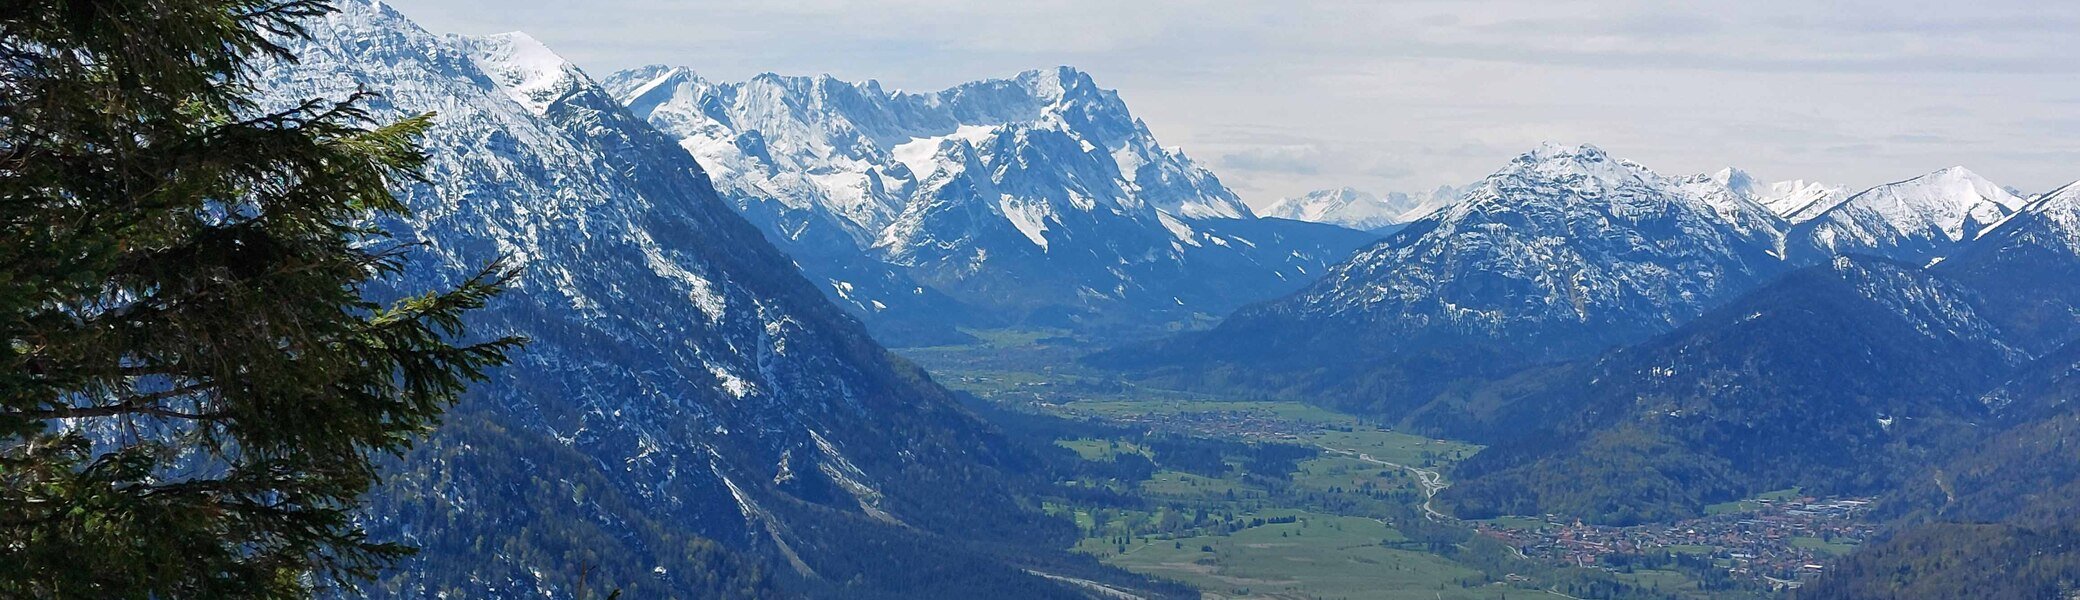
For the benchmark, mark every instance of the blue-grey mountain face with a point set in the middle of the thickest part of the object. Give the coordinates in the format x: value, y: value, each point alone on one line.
x: 1564, y: 244
x: 1037, y: 199
x: 1919, y: 220
x: 1359, y: 210
x: 1637, y: 347
x: 1842, y: 379
x: 1564, y: 252
x: 2028, y: 267
x: 684, y: 379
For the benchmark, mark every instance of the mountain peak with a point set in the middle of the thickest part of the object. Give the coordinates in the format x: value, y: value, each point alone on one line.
x: 1795, y: 200
x: 1358, y: 209
x: 1340, y: 206
x: 1039, y: 176
x: 1585, y: 172
x: 527, y: 70
x: 1556, y: 160
x: 1341, y: 192
x: 2059, y: 207
x: 1065, y: 85
x: 1736, y: 179
x: 1953, y: 185
x: 1917, y: 220
x: 1061, y: 76
x: 1550, y: 151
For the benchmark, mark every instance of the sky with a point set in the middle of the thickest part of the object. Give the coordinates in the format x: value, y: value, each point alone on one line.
x: 1282, y: 97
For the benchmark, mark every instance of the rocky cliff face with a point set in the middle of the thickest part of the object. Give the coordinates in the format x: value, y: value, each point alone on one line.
x: 684, y: 380
x: 1037, y: 199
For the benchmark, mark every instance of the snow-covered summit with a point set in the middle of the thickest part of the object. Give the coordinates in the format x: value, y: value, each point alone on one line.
x: 1560, y: 177
x: 1917, y: 220
x: 527, y: 70
x: 1341, y: 206
x: 1564, y: 242
x: 1357, y: 209
x: 2026, y: 265
x: 677, y: 355
x: 1584, y: 166
x: 1044, y: 179
x: 1795, y: 200
x: 871, y: 148
x: 2064, y: 201
x: 2050, y: 220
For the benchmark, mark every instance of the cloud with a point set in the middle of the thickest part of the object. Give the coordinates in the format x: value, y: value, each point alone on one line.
x: 1292, y: 160
x: 1408, y: 94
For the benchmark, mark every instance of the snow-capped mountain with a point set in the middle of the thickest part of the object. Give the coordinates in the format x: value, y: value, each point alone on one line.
x: 1039, y: 197
x: 1731, y: 195
x: 2028, y: 266
x: 1564, y: 238
x: 1563, y: 252
x: 1919, y: 220
x: 1795, y: 200
x: 683, y: 379
x: 2050, y: 221
x: 1341, y: 206
x: 1422, y: 204
x: 1355, y: 209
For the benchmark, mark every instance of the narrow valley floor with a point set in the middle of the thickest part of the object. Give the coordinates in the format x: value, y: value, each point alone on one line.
x: 1260, y: 498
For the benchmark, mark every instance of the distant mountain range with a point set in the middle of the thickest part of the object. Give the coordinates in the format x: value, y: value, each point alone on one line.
x: 1919, y: 220
x: 704, y: 413
x: 1034, y: 200
x: 693, y: 417
x: 1360, y: 210
x: 1795, y: 200
x: 1637, y: 346
x: 1562, y: 254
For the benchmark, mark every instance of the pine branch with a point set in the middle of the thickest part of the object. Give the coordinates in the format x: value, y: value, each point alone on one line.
x: 142, y: 404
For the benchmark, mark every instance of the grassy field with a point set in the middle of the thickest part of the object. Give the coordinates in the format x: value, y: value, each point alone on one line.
x: 1176, y: 485
x: 1751, y: 504
x: 1326, y: 530
x: 1667, y: 581
x: 1823, y: 546
x: 1318, y: 556
x: 1101, y: 450
x: 1347, y: 473
x: 1396, y: 447
x: 1139, y: 402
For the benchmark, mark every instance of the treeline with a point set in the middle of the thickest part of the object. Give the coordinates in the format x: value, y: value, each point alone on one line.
x: 593, y: 557
x: 1989, y: 561
x: 1622, y: 476
x: 1211, y: 458
x: 1996, y: 521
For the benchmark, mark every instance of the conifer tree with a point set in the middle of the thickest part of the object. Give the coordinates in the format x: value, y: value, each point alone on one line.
x: 194, y: 388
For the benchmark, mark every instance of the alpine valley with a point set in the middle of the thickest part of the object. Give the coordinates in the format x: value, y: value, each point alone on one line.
x: 693, y: 417
x: 808, y: 338
x: 1639, y: 349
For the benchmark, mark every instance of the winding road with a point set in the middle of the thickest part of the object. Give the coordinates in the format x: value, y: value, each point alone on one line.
x: 1431, y: 481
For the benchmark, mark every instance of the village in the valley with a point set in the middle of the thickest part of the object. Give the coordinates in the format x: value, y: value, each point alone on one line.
x: 1782, y: 539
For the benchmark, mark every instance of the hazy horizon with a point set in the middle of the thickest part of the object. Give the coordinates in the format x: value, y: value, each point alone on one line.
x: 1409, y: 95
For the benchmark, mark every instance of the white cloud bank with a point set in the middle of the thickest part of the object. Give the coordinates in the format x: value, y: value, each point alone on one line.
x: 1406, y: 94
